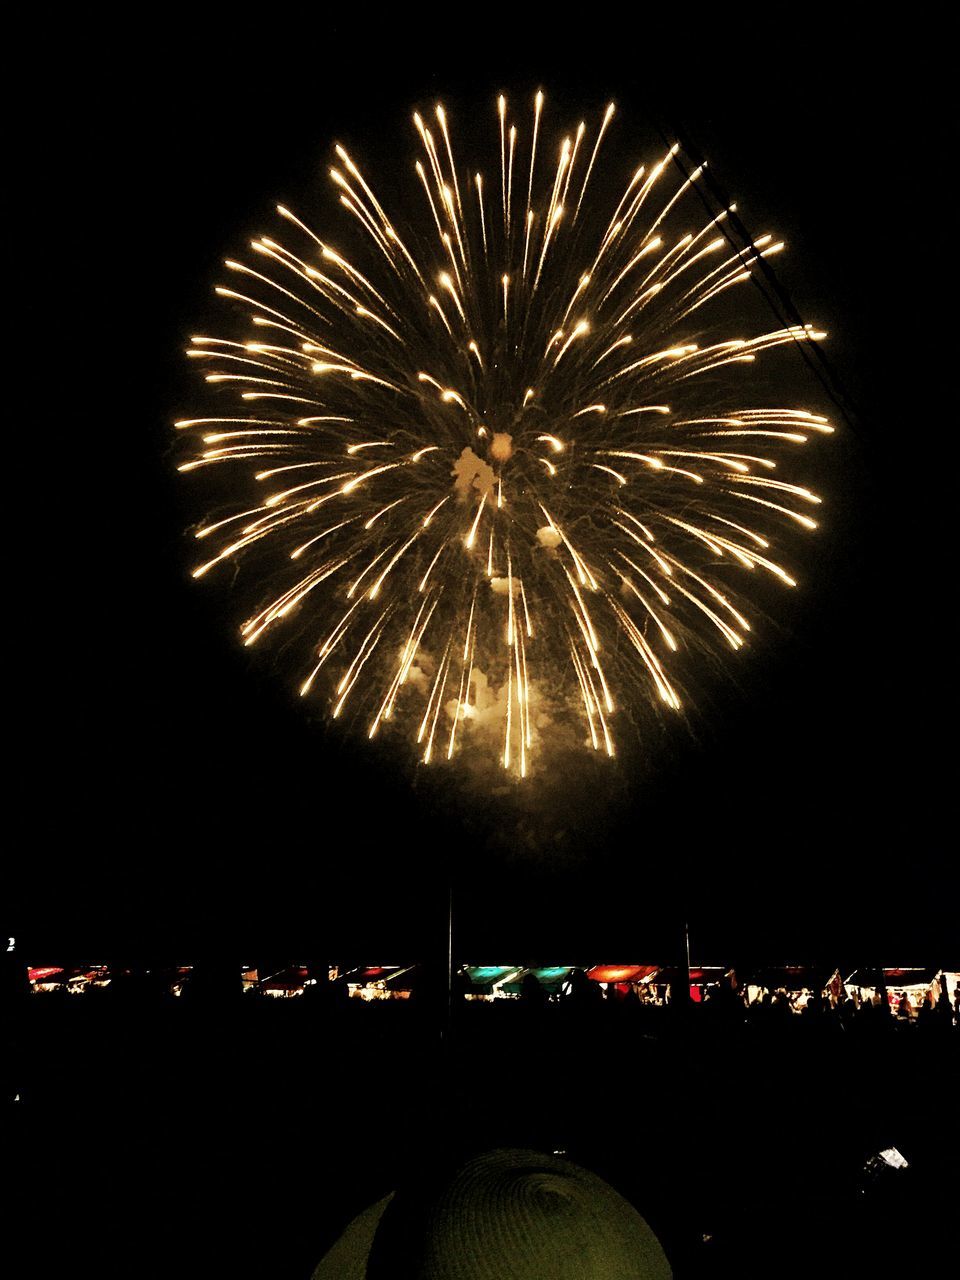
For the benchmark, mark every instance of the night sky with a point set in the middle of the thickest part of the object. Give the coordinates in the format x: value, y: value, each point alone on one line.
x: 176, y: 795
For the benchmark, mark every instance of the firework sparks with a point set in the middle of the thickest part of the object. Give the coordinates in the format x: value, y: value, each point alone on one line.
x: 500, y: 463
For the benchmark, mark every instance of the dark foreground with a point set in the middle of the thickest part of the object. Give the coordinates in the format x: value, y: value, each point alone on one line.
x: 202, y: 1139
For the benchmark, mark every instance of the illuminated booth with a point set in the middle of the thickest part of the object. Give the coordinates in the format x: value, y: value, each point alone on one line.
x: 73, y: 982
x: 703, y: 980
x: 489, y: 982
x: 552, y: 978
x: 49, y: 978
x: 798, y: 983
x: 913, y: 986
x: 383, y: 982
x: 284, y: 983
x: 621, y: 979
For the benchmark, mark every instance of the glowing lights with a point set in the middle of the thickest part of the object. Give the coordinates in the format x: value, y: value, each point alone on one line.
x: 434, y: 394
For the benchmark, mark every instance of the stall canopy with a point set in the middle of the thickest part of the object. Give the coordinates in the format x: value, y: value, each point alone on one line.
x: 379, y: 981
x: 76, y: 981
x: 368, y: 975
x: 700, y: 979
x: 793, y: 978
x: 404, y: 979
x: 42, y: 975
x: 487, y: 978
x: 550, y: 977
x: 915, y: 981
x: 618, y: 973
x: 285, y: 982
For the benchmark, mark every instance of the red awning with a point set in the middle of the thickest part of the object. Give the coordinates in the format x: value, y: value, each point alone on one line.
x: 621, y: 972
x: 286, y: 980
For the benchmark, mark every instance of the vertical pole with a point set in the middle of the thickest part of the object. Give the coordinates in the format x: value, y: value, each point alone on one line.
x: 449, y: 1017
x: 684, y: 1002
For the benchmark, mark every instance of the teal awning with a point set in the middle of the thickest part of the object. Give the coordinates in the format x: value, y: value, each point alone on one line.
x: 488, y: 976
x: 550, y: 977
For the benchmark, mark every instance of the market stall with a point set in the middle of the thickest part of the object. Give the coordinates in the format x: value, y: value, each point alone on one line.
x: 72, y: 981
x: 383, y: 982
x: 285, y: 982
x: 909, y: 987
x: 551, y: 978
x: 621, y: 979
x: 797, y: 983
x: 702, y: 980
x: 488, y: 982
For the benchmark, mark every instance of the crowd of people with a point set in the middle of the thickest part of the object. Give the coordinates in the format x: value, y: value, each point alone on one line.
x: 271, y: 1122
x: 653, y: 1004
x: 726, y: 1005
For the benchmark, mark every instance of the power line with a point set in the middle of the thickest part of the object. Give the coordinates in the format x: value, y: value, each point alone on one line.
x: 780, y: 303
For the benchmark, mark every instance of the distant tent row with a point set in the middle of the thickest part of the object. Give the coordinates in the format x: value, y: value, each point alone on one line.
x: 651, y: 981
x: 485, y: 982
x: 73, y: 981
x: 384, y: 982
x: 910, y: 986
x: 657, y: 983
x: 368, y: 982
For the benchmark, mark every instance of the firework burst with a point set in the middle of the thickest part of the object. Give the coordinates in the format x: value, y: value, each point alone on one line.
x: 498, y: 466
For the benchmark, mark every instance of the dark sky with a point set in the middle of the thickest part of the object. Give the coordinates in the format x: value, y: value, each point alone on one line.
x: 176, y: 794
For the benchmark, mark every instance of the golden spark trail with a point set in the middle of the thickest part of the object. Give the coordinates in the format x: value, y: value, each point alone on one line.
x: 518, y: 524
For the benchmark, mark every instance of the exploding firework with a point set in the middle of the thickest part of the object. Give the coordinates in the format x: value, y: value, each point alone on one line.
x: 497, y: 466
